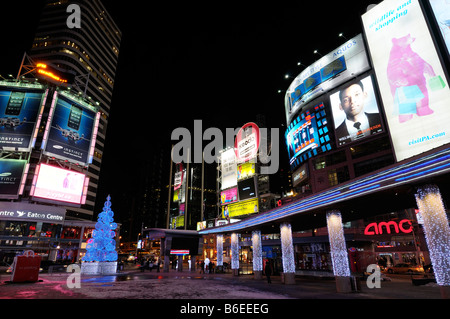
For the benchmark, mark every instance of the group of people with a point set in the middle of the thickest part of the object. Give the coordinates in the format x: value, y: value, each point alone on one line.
x: 149, y: 264
x: 206, y: 266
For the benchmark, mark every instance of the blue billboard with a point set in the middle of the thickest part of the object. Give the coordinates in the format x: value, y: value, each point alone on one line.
x: 72, y: 130
x: 20, y: 108
x: 308, y: 135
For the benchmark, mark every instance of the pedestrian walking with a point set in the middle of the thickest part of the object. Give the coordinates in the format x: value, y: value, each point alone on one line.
x: 202, y: 267
x: 268, y: 271
x: 207, y: 264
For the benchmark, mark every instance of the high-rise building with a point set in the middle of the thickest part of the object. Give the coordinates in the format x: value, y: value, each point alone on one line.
x: 92, y: 52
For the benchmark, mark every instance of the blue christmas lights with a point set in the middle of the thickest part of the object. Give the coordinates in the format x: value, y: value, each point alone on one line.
x: 102, y: 245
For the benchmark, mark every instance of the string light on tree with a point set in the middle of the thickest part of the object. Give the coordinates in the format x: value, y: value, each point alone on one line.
x: 234, y: 251
x: 219, y: 247
x: 338, y: 248
x: 257, y: 250
x: 102, y: 245
x: 437, y: 231
x: 287, y: 248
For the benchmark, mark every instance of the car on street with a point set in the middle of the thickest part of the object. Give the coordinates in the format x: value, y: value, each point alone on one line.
x: 5, y: 267
x: 404, y: 268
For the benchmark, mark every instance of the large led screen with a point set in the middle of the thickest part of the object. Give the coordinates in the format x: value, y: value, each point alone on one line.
x: 355, y: 112
x: 308, y: 135
x: 247, y: 188
x: 330, y: 71
x: 72, y: 131
x: 20, y: 110
x: 411, y: 79
x: 57, y: 184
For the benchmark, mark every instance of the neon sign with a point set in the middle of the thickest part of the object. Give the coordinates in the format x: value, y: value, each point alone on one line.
x: 40, y: 69
x: 377, y: 228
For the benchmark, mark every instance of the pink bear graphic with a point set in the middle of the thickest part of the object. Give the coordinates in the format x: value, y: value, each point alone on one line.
x: 407, y: 68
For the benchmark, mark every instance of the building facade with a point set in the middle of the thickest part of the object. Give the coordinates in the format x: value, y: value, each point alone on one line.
x: 91, y: 52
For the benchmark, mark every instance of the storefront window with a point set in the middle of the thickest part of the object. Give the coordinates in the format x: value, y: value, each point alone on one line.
x: 88, y: 233
x: 71, y: 232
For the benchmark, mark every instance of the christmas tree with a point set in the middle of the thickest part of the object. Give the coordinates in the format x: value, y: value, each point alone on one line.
x: 102, y: 245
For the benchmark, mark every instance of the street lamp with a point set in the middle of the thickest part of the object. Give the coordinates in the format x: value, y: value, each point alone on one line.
x: 317, y: 52
x: 341, y: 35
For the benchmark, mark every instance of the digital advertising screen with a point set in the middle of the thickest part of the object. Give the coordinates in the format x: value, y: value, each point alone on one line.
x: 303, y: 136
x: 229, y: 196
x: 246, y: 188
x: 71, y: 131
x: 20, y: 115
x: 330, y: 71
x: 12, y: 177
x: 58, y: 184
x: 308, y: 135
x: 411, y: 80
x: 245, y: 170
x: 240, y: 209
x: 355, y: 112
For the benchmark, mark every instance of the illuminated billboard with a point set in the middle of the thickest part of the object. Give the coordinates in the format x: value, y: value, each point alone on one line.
x: 247, y: 189
x: 245, y: 170
x: 229, y: 196
x: 411, y: 79
x: 308, y: 135
x: 247, y: 142
x: 71, y: 133
x: 247, y: 207
x: 229, y: 175
x: 355, y: 112
x: 330, y: 71
x: 20, y: 115
x: 12, y: 177
x: 61, y: 185
x: 54, y: 74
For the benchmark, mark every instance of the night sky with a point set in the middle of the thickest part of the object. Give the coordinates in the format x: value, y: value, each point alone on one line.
x: 222, y: 63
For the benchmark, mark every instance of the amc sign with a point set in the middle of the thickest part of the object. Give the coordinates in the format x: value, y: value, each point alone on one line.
x: 377, y: 228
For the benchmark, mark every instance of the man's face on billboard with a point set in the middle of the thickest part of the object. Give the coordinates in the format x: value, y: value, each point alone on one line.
x: 352, y: 101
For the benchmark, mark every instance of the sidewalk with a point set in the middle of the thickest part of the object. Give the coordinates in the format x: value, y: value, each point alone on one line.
x: 134, y: 284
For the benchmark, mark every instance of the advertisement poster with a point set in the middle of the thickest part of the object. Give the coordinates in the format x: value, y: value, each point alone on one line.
x: 229, y: 175
x: 355, y: 112
x: 247, y: 142
x: 11, y: 172
x: 19, y: 113
x: 330, y: 71
x: 59, y: 184
x: 71, y: 131
x: 229, y: 196
x: 245, y: 170
x: 239, y: 209
x: 411, y: 79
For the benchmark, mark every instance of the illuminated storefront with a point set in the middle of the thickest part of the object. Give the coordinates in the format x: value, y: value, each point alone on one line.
x: 44, y: 230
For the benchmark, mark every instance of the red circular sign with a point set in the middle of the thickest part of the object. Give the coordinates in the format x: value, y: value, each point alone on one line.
x: 247, y: 141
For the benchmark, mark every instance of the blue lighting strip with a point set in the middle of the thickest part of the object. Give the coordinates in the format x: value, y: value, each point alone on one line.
x: 416, y: 169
